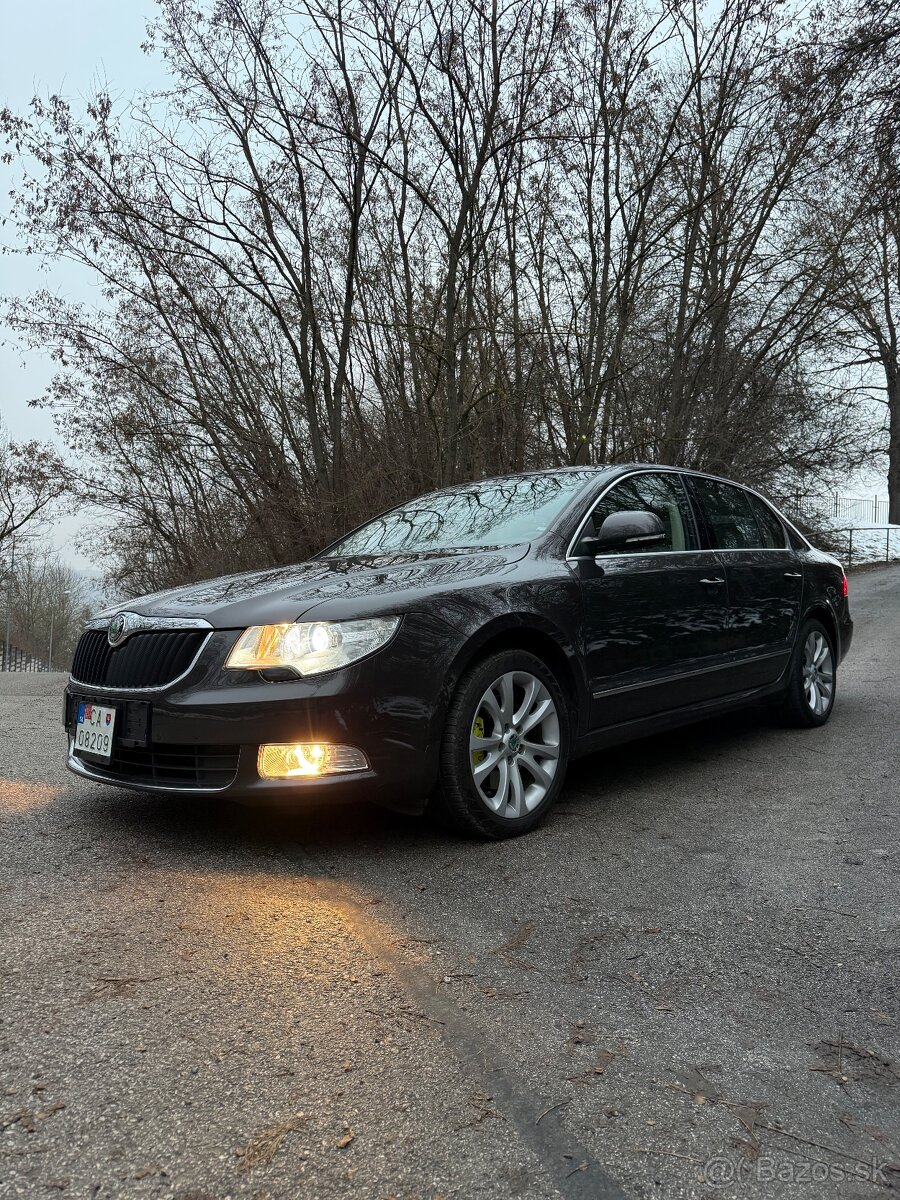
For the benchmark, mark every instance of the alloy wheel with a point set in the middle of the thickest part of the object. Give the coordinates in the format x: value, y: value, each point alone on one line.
x: 818, y: 672
x: 514, y: 744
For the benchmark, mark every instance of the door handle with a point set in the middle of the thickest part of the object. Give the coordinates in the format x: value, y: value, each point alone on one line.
x: 793, y: 574
x: 712, y: 582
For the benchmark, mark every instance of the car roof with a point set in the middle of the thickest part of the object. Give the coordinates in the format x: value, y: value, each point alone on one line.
x: 598, y: 469
x: 610, y: 470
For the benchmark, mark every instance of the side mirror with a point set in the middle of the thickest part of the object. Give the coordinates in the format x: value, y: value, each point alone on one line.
x: 626, y: 529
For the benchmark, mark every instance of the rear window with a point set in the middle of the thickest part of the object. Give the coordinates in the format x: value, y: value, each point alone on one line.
x: 769, y: 525
x: 729, y: 514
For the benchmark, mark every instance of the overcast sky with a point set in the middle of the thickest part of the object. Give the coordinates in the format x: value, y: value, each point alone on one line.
x: 66, y: 47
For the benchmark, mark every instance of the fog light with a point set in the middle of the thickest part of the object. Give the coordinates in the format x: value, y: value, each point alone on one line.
x: 303, y: 759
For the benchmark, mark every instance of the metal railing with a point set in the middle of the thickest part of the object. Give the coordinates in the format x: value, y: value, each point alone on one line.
x: 858, y: 523
x: 20, y: 660
x: 872, y: 553
x: 872, y: 509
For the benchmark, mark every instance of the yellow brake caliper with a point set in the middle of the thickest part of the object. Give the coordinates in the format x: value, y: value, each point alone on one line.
x: 478, y: 756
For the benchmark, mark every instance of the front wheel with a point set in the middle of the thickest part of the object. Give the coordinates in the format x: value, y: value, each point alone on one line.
x: 809, y: 698
x: 505, y: 746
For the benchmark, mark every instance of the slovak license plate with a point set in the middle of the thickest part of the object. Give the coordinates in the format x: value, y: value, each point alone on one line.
x: 94, y: 729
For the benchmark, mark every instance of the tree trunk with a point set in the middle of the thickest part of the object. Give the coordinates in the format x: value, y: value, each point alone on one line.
x: 893, y: 399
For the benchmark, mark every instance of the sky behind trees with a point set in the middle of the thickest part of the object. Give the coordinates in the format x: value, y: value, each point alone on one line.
x: 57, y: 46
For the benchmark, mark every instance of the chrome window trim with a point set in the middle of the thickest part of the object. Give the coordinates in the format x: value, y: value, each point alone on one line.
x: 636, y: 554
x: 753, y: 492
x: 756, y: 495
x: 570, y: 557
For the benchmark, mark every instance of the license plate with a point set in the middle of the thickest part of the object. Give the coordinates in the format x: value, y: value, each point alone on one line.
x: 94, y: 729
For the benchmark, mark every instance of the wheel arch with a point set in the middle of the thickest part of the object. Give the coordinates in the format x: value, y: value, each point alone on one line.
x: 820, y: 610
x: 529, y: 632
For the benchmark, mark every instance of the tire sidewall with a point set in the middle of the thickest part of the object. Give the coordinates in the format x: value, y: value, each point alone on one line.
x: 455, y: 757
x: 797, y: 691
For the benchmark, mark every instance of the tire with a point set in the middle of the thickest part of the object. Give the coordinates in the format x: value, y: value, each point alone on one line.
x: 488, y: 727
x: 809, y: 699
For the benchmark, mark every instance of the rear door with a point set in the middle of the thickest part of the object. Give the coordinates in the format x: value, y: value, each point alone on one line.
x: 765, y: 578
x: 655, y: 619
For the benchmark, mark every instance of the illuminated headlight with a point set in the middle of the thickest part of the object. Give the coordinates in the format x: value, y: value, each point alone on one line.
x: 302, y: 759
x: 309, y: 648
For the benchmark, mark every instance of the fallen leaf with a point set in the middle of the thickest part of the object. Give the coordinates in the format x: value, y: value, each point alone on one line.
x: 263, y: 1147
x: 345, y: 1141
x: 518, y: 940
x: 701, y: 1089
x: 31, y: 1121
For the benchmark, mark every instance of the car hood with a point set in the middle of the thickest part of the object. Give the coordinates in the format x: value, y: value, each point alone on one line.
x: 337, y: 588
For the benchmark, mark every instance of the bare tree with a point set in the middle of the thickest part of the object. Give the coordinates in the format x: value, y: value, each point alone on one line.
x: 32, y: 476
x: 47, y: 605
x: 858, y: 226
x: 855, y: 216
x: 361, y: 249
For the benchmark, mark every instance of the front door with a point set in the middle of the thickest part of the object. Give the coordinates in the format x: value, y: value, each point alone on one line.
x: 655, y: 621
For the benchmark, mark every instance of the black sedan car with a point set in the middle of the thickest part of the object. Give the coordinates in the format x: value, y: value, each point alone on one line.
x: 459, y: 650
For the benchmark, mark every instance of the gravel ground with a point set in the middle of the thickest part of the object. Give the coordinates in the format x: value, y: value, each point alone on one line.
x: 683, y: 985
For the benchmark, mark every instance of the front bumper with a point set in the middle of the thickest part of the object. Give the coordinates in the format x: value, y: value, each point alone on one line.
x: 212, y: 722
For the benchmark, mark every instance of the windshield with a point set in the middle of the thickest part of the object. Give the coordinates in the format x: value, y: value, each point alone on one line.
x: 495, y: 512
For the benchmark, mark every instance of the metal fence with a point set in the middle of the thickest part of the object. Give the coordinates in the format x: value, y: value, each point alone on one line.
x: 869, y: 509
x: 856, y: 525
x: 19, y: 660
x: 871, y: 545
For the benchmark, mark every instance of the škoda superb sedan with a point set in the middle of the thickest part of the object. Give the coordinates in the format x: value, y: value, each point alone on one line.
x: 458, y: 651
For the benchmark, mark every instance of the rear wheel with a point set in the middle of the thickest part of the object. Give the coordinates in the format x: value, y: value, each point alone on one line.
x: 810, y: 695
x: 505, y: 746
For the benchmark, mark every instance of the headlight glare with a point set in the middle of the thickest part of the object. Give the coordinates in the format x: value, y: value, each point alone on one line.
x: 310, y: 648
x: 322, y: 638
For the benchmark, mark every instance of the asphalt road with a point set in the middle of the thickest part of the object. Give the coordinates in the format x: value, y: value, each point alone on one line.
x: 684, y: 984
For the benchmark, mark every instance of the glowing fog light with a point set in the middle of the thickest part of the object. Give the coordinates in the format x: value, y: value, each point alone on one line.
x: 303, y: 759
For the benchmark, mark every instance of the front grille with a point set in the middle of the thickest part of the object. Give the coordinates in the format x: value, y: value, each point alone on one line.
x: 144, y: 660
x: 171, y: 764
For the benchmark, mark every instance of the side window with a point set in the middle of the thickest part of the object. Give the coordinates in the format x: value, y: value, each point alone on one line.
x: 729, y: 514
x: 662, y: 494
x: 796, y: 541
x: 770, y: 527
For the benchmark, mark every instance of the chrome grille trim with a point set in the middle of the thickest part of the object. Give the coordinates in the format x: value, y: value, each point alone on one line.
x: 138, y: 623
x: 121, y: 690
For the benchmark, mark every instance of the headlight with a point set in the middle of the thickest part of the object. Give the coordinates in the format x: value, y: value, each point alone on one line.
x: 309, y: 648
